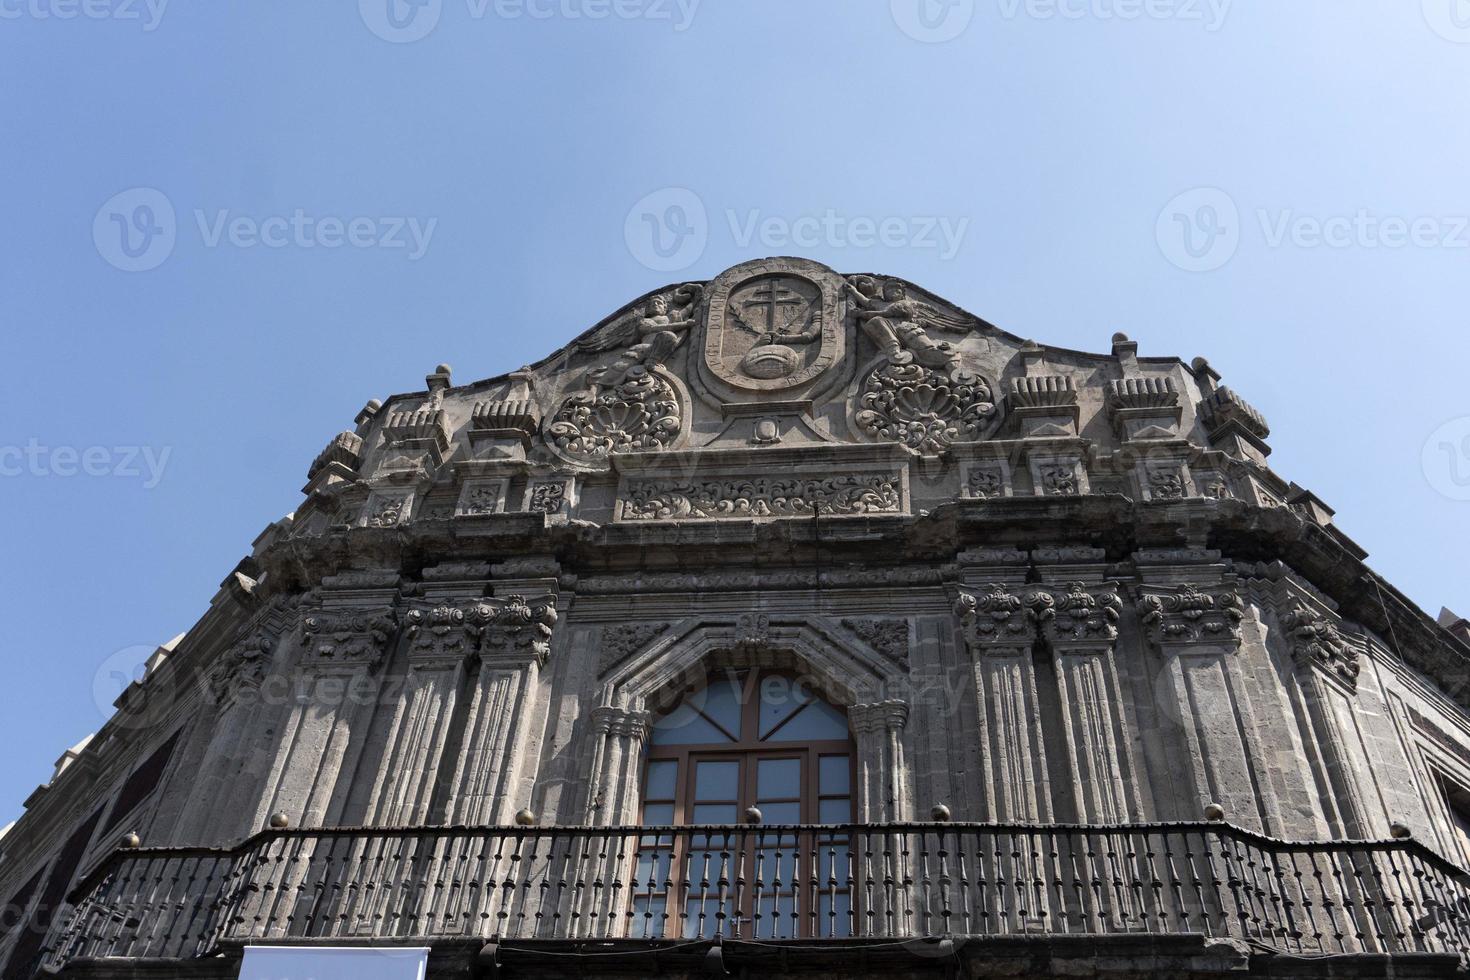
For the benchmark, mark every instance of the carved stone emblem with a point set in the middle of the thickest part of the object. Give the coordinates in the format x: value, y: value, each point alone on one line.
x: 773, y: 328
x: 638, y: 414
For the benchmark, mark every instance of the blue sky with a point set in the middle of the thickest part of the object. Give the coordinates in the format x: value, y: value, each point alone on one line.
x: 358, y: 192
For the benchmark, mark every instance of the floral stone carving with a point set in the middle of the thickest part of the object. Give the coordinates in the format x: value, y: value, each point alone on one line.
x: 639, y: 414
x: 843, y: 495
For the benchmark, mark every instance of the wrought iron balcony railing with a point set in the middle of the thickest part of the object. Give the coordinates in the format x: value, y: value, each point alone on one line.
x: 769, y: 882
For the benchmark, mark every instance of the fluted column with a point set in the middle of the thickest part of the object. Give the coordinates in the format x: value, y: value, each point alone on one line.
x: 1080, y: 626
x: 883, y: 778
x: 617, y: 735
x: 513, y: 649
x: 1000, y: 632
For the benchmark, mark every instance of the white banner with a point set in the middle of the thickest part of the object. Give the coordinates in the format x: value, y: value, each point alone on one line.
x: 333, y: 963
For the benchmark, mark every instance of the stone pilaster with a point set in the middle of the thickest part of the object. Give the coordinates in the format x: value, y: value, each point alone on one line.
x: 443, y: 640
x: 1080, y: 625
x: 336, y: 692
x: 513, y: 648
x: 1191, y: 610
x: 1000, y: 633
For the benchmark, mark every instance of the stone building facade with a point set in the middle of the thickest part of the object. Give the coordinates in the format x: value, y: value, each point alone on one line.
x: 1089, y: 688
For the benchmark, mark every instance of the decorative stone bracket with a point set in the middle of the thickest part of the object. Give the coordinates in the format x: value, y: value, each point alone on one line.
x: 1316, y: 642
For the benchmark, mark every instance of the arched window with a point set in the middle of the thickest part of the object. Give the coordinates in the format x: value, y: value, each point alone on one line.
x: 749, y: 738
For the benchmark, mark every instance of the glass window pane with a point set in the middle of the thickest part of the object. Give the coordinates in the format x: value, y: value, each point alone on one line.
x: 835, y: 811
x: 721, y: 701
x: 780, y: 698
x: 661, y: 776
x: 714, y: 813
x: 685, y: 726
x: 832, y: 865
x: 780, y: 812
x: 778, y: 778
x: 658, y: 814
x: 830, y: 925
x: 716, y: 780
x: 818, y: 720
x: 774, y: 917
x: 835, y: 774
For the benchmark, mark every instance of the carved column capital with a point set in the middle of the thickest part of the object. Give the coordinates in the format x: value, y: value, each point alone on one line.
x: 518, y: 628
x: 446, y: 633
x: 1078, y: 618
x: 1186, y: 614
x: 347, y: 636
x: 998, y: 619
x: 1316, y: 642
x: 613, y: 720
x: 880, y: 716
x: 243, y: 666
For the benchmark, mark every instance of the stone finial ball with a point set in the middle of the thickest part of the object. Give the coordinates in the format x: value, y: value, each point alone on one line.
x: 1400, y: 831
x: 1214, y: 812
x: 1120, y: 337
x: 752, y: 815
x: 443, y: 369
x: 130, y: 841
x: 525, y: 818
x: 279, y: 821
x: 374, y: 404
x: 940, y: 813
x: 1199, y: 363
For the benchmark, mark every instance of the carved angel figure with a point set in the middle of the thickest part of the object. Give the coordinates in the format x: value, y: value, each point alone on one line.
x: 897, y: 324
x: 646, y: 339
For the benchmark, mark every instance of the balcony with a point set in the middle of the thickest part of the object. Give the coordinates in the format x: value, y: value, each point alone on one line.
x: 813, y: 886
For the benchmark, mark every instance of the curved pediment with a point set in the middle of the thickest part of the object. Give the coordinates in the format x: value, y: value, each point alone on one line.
x: 782, y: 387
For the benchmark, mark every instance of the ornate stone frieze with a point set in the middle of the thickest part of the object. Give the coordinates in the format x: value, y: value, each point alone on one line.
x: 889, y: 637
x: 640, y: 413
x: 1059, y: 478
x: 617, y: 643
x: 986, y: 479
x: 1078, y: 615
x: 752, y: 633
x: 482, y: 496
x: 1315, y: 640
x: 716, y: 581
x: 1165, y: 482
x: 348, y: 636
x: 388, y: 508
x: 761, y: 496
x: 1189, y: 615
x: 519, y: 627
x: 548, y: 496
